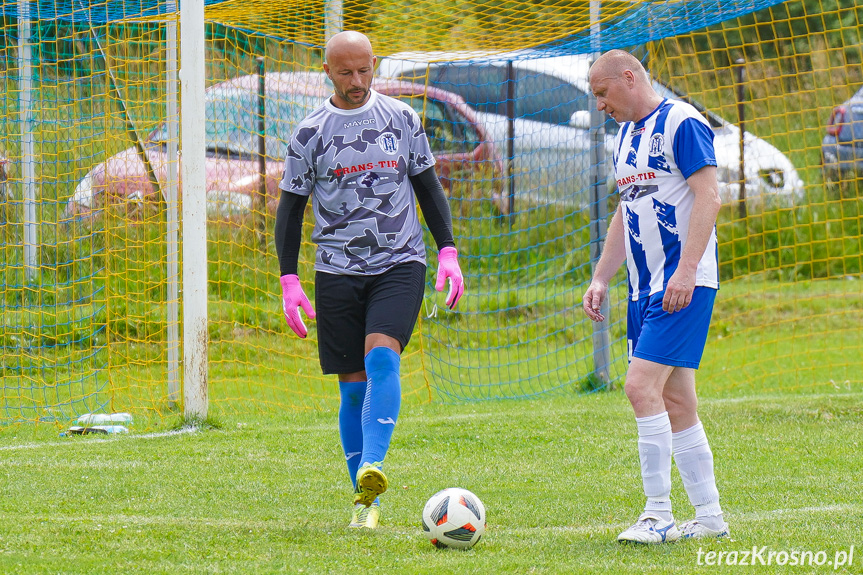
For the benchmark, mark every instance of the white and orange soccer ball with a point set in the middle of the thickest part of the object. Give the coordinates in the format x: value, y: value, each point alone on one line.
x: 454, y: 518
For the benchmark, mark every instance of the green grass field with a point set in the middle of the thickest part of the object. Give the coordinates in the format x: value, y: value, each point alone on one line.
x: 558, y: 476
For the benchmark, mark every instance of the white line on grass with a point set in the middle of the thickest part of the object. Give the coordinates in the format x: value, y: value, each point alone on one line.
x: 101, y: 439
x: 583, y: 407
x: 418, y: 418
x: 761, y: 398
x: 576, y: 408
x: 733, y: 518
x: 124, y: 520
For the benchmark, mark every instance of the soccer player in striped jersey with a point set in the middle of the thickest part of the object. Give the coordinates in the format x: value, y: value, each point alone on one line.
x: 365, y: 161
x: 664, y: 229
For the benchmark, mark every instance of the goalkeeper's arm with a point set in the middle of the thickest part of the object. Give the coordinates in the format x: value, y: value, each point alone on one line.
x: 289, y: 231
x: 434, y: 205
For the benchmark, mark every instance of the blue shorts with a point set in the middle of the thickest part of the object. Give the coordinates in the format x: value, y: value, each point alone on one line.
x: 669, y: 338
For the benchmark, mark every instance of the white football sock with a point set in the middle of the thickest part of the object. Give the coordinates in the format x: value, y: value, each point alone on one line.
x: 654, y: 450
x: 695, y: 462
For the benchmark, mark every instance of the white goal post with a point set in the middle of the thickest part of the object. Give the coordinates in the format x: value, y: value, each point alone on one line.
x: 192, y: 146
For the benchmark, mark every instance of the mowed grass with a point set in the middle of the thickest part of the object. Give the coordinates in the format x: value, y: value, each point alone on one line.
x: 559, y: 478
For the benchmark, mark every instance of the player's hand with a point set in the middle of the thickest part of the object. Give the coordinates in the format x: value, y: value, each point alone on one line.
x: 593, y: 298
x: 448, y: 268
x: 293, y: 298
x: 678, y: 292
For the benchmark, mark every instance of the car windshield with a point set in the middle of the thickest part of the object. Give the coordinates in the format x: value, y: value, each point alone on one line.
x: 668, y: 92
x: 232, y: 119
x: 447, y: 131
x: 538, y: 96
x: 852, y: 128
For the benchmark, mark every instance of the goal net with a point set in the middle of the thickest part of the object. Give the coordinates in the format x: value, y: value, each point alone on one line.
x: 91, y: 241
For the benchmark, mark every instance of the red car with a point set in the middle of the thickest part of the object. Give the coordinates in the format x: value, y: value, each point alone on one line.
x: 461, y: 146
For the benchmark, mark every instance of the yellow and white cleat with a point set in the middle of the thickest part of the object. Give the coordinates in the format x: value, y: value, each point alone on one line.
x: 366, y: 517
x: 371, y: 482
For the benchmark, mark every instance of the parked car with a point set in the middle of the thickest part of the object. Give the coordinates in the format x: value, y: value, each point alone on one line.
x: 232, y: 160
x: 552, y: 123
x: 842, y: 146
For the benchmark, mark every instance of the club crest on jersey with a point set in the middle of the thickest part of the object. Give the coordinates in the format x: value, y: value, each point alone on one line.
x: 388, y: 143
x: 656, y: 154
x: 657, y: 145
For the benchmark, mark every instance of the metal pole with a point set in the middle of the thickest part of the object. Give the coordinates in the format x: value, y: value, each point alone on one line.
x: 192, y: 144
x: 598, y: 212
x: 510, y: 137
x: 28, y: 158
x: 172, y: 240
x: 741, y: 120
x: 333, y: 18
x: 261, y: 202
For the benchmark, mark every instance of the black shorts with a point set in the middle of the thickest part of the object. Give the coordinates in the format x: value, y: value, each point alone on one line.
x: 351, y: 307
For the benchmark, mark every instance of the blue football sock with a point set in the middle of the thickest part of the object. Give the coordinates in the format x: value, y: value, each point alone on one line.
x: 383, y: 399
x: 352, y: 395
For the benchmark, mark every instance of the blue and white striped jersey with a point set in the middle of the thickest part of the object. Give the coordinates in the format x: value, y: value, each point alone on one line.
x: 652, y: 159
x: 355, y: 164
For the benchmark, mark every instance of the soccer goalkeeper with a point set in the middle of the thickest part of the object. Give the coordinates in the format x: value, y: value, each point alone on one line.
x: 664, y: 229
x: 364, y: 159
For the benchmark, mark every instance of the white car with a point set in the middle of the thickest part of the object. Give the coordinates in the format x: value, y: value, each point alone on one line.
x: 551, y: 125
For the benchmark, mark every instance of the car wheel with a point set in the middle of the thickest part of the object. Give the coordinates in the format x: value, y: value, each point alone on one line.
x: 841, y: 184
x: 830, y: 179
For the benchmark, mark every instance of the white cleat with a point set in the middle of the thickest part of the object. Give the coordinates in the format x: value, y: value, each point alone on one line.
x: 650, y: 530
x: 695, y: 530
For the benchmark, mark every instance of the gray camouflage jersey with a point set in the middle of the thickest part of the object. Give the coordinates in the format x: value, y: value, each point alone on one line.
x: 356, y: 164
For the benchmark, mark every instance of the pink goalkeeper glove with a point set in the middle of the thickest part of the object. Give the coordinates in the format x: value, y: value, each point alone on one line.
x: 294, y: 298
x: 448, y: 268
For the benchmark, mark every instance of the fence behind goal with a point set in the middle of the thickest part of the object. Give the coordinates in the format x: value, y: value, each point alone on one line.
x: 91, y: 295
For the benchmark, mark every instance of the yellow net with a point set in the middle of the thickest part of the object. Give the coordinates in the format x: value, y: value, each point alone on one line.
x: 91, y: 297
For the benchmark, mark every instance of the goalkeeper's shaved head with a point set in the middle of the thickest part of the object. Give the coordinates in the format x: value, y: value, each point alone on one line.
x: 349, y: 63
x: 350, y: 42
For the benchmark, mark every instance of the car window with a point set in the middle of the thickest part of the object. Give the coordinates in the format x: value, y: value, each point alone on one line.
x: 538, y: 96
x: 668, y: 92
x: 231, y: 116
x: 232, y: 120
x: 852, y: 129
x: 448, y: 132
x: 545, y: 98
x: 465, y: 137
x: 482, y: 86
x: 284, y: 112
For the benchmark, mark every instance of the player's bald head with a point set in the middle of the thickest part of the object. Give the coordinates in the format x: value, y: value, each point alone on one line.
x: 348, y: 43
x: 622, y: 87
x: 615, y: 63
x: 350, y: 65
